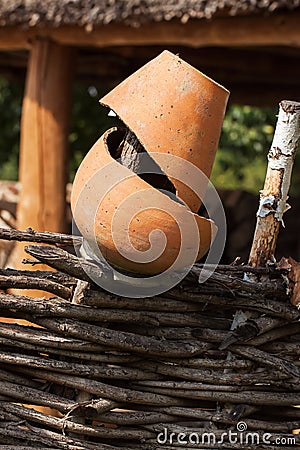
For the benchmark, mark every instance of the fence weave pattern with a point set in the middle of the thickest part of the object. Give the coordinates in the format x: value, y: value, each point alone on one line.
x: 117, y: 372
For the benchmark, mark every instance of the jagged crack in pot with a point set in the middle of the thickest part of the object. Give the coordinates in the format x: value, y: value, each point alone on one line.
x: 174, y: 111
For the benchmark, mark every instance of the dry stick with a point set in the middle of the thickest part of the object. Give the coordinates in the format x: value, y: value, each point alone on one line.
x: 239, y: 269
x: 95, y: 356
x: 35, y: 396
x: 13, y: 305
x: 79, y: 268
x: 216, y: 377
x: 211, y: 446
x: 284, y: 348
x: 24, y: 282
x: 30, y: 235
x: 207, y: 363
x: 45, y: 339
x: 55, y: 277
x: 107, y: 391
x: 65, y: 262
x: 266, y: 359
x: 253, y: 303
x: 123, y: 340
x: 18, y: 379
x: 123, y: 417
x: 275, y: 192
x: 22, y: 447
x: 81, y: 396
x: 104, y: 299
x: 273, y: 288
x: 25, y: 447
x: 92, y: 371
x: 194, y: 386
x: 47, y: 437
x: 252, y: 397
x: 66, y: 310
x: 10, y: 433
x: 277, y: 333
x: 67, y: 425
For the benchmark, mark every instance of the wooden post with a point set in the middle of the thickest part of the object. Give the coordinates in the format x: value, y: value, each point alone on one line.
x: 275, y: 192
x: 44, y: 140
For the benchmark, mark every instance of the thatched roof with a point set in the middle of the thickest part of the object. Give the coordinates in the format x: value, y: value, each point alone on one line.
x: 132, y: 12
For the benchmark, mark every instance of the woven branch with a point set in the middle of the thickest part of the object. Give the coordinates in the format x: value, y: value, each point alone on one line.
x: 143, y: 364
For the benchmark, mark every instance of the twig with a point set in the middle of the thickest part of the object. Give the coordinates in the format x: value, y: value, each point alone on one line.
x: 12, y: 305
x: 251, y: 397
x: 91, y: 371
x: 266, y: 359
x: 67, y: 425
x: 41, y: 337
x: 34, y: 396
x: 25, y: 282
x: 30, y: 235
x: 123, y: 340
x: 56, y: 277
x: 253, y: 303
x: 63, y: 261
x: 104, y: 390
x: 203, y: 376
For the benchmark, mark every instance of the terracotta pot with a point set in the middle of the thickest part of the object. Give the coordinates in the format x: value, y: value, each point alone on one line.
x: 98, y: 221
x: 174, y: 110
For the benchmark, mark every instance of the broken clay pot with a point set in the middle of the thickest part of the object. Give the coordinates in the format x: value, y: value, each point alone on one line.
x: 173, y: 108
x: 174, y: 111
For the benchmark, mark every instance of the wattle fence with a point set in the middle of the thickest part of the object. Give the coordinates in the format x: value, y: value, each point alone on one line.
x: 199, y: 366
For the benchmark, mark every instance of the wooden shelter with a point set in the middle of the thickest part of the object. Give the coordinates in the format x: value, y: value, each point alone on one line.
x: 252, y: 48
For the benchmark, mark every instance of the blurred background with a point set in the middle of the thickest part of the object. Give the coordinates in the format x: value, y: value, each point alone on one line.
x: 252, y: 48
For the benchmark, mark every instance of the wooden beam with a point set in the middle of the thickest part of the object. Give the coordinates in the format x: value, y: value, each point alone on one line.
x: 44, y: 140
x: 236, y: 31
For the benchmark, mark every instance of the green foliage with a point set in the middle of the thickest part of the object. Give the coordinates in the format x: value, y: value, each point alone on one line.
x: 88, y: 122
x: 10, y: 112
x: 245, y: 140
x: 240, y: 162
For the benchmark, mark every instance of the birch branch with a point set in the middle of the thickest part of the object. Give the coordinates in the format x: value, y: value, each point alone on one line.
x: 273, y: 198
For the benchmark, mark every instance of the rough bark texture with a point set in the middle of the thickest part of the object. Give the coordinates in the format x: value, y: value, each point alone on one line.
x: 118, y: 371
x: 132, y: 155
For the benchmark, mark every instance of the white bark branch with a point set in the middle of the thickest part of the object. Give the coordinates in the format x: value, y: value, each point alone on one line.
x: 274, y: 195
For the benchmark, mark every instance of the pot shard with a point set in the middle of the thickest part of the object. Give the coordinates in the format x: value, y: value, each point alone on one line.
x: 176, y: 113
x: 173, y: 109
